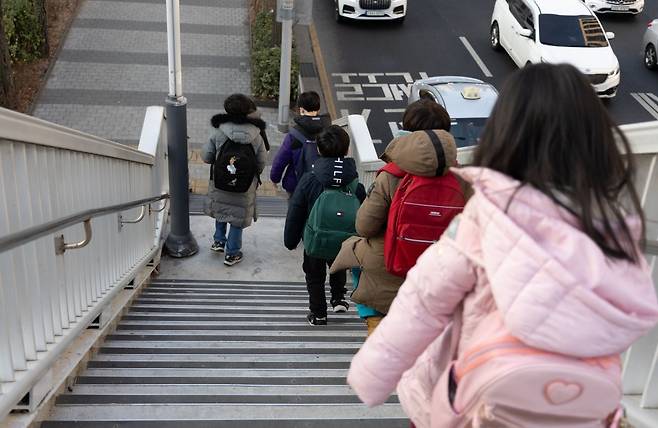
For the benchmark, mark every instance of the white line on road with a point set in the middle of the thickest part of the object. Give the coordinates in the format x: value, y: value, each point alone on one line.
x: 394, y: 110
x: 475, y: 56
x: 647, y: 103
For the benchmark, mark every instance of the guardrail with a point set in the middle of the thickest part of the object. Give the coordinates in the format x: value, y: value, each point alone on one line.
x: 640, y: 375
x: 79, y: 217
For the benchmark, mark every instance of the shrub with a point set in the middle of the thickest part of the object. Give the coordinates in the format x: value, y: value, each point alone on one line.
x: 266, y: 60
x: 25, y: 29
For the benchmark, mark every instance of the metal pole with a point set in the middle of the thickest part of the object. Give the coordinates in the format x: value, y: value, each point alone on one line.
x: 286, y: 14
x: 180, y: 242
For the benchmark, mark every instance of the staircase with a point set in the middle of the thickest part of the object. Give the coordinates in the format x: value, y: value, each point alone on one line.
x: 222, y: 354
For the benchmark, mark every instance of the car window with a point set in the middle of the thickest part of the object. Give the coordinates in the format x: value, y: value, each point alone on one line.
x: 424, y: 94
x: 467, y: 131
x: 522, y: 14
x: 571, y: 31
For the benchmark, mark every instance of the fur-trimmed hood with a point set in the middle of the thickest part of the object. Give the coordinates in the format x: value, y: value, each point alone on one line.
x: 220, y: 118
x: 252, y: 119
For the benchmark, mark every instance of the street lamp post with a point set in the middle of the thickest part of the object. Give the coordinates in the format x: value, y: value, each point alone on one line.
x: 180, y: 241
x: 286, y: 15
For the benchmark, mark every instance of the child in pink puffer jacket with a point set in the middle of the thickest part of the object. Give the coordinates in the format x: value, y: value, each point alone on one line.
x: 544, y: 245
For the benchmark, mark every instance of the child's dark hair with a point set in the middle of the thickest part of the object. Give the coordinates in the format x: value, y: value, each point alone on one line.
x: 549, y: 129
x: 239, y: 105
x: 334, y: 142
x: 425, y: 114
x: 309, y: 101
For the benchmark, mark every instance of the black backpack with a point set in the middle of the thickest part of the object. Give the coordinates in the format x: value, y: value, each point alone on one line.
x: 308, y: 155
x: 235, y: 167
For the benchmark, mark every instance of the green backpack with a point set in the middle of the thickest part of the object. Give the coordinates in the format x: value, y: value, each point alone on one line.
x: 331, y: 221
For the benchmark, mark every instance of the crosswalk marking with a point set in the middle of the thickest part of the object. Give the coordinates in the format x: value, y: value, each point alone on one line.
x: 648, y: 101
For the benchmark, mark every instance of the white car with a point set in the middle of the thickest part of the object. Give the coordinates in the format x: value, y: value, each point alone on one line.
x: 615, y: 6
x: 468, y: 101
x: 557, y: 31
x: 374, y: 10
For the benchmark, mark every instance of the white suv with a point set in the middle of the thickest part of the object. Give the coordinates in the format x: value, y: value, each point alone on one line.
x: 556, y: 31
x: 615, y: 6
x: 376, y: 10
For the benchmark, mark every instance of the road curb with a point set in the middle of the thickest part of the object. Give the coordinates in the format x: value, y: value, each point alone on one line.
x: 322, y: 72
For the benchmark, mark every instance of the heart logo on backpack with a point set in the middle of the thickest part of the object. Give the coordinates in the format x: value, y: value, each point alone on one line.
x: 560, y: 392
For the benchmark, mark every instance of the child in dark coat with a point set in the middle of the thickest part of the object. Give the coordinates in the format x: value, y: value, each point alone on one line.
x: 331, y: 169
x: 309, y: 124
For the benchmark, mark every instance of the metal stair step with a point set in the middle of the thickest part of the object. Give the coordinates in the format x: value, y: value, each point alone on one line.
x: 171, y: 373
x: 224, y: 310
x: 225, y: 358
x: 243, y: 318
x: 299, y: 326
x: 272, y: 399
x: 224, y: 412
x: 240, y: 335
x: 196, y: 389
x: 273, y: 422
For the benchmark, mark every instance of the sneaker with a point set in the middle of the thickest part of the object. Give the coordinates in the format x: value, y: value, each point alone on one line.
x: 313, y: 320
x: 218, y: 246
x: 231, y: 260
x: 340, y: 306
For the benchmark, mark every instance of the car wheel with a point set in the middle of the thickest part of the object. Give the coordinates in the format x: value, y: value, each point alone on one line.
x: 650, y: 59
x: 337, y: 15
x: 495, y: 37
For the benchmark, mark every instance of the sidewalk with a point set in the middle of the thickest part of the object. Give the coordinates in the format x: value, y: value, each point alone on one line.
x: 113, y: 64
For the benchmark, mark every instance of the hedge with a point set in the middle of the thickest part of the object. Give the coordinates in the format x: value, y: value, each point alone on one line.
x: 25, y: 29
x: 266, y: 59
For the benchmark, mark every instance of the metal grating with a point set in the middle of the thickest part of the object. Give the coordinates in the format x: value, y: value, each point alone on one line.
x: 267, y: 206
x: 374, y: 4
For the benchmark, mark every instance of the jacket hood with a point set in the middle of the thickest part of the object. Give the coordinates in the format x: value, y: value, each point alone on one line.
x: 244, y: 133
x: 546, y: 275
x: 311, y: 126
x: 415, y: 154
x: 335, y: 172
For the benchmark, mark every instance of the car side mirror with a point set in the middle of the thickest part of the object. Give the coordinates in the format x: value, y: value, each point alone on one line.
x: 524, y: 32
x: 610, y: 35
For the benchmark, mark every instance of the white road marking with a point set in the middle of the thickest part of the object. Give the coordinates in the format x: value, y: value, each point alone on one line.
x: 394, y: 128
x: 394, y: 110
x: 647, y: 102
x: 475, y: 56
x: 372, y: 77
x: 407, y: 76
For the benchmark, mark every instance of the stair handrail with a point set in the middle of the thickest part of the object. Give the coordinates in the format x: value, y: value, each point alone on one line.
x: 24, y: 236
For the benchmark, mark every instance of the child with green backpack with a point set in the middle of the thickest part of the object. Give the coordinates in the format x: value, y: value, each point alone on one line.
x: 322, y: 212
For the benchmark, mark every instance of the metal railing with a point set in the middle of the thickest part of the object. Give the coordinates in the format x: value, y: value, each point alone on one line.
x: 79, y: 216
x: 640, y: 375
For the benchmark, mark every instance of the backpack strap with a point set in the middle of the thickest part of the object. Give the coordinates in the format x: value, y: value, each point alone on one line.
x: 353, y: 186
x: 393, y: 169
x: 440, y: 154
x: 297, y: 135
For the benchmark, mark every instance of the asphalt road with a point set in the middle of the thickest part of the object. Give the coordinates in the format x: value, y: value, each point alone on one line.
x: 370, y: 64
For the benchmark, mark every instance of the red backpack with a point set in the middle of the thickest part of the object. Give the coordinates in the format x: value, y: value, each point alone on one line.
x: 422, y: 208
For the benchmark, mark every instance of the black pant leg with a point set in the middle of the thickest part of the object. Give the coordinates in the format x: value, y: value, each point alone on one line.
x: 337, y: 283
x: 316, y: 273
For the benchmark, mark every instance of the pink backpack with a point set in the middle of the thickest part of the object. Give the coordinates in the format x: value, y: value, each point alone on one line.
x: 501, y: 382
